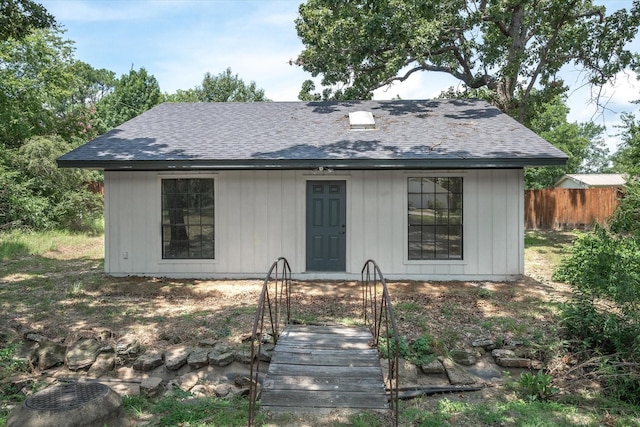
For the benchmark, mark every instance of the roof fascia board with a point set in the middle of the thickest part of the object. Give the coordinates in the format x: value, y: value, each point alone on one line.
x: 310, y: 164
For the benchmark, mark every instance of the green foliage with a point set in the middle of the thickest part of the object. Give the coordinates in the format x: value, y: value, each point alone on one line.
x: 182, y: 410
x: 603, y: 314
x: 536, y: 387
x: 582, y: 142
x: 19, y: 17
x: 505, y: 46
x: 132, y: 95
x: 9, y: 365
x: 225, y: 87
x: 604, y: 271
x: 627, y: 158
x: 419, y: 352
x: 36, y: 194
x: 387, y: 347
x: 626, y: 218
x: 35, y: 73
x: 516, y: 412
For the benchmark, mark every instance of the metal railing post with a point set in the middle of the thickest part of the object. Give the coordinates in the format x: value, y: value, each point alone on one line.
x: 279, y: 276
x: 374, y: 322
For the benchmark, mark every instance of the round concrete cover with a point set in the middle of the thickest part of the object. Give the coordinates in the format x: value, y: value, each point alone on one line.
x: 71, y: 405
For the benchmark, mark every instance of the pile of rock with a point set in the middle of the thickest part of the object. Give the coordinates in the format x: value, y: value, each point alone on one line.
x: 213, y: 367
x: 482, y: 363
x: 209, y: 368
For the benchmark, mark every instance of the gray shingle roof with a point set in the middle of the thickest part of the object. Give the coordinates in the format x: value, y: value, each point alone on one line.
x: 408, y: 134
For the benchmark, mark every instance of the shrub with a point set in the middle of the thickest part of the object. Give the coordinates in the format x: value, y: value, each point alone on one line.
x: 604, y: 271
x: 536, y: 387
x: 36, y: 194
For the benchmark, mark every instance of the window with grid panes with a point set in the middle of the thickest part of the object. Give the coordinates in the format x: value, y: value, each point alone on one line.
x: 188, y: 219
x: 435, y: 218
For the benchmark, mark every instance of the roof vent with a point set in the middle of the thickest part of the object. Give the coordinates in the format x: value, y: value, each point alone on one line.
x: 361, y: 120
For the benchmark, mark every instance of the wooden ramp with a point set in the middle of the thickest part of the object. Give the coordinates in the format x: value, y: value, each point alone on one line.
x: 318, y: 369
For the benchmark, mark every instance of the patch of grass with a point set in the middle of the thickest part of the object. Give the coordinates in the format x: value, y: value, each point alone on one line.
x: 486, y: 324
x: 407, y: 306
x: 447, y: 311
x: 516, y: 413
x: 547, y: 239
x: 10, y: 365
x: 20, y: 243
x: 208, y: 412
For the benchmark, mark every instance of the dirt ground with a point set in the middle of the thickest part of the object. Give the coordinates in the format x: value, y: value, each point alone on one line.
x: 80, y: 297
x: 64, y: 295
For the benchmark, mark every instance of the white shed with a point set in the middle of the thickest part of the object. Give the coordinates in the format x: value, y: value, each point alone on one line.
x: 430, y: 190
x: 591, y: 180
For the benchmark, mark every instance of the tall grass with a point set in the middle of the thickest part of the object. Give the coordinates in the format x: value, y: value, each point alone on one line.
x: 20, y: 243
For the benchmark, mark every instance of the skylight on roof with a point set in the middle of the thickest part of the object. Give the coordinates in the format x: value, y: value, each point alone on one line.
x: 361, y: 120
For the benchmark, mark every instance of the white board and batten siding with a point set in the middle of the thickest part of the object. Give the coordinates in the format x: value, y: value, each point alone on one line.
x: 260, y: 216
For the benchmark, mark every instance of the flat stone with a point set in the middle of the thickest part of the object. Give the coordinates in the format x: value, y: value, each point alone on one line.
x: 208, y: 342
x: 243, y: 356
x: 198, y: 358
x: 148, y: 361
x: 513, y: 362
x: 151, y: 386
x: 221, y: 348
x: 127, y: 346
x: 463, y: 357
x: 500, y: 353
x: 456, y: 373
x: 124, y: 388
x: 34, y: 336
x: 242, y: 381
x: 433, y: 367
x: 202, y: 390
x: 223, y: 359
x: 176, y: 357
x: 187, y: 381
x: 105, y: 363
x: 483, y: 342
x: 48, y: 354
x: 222, y: 390
x: 267, y: 352
x: 407, y: 371
x: 83, y: 353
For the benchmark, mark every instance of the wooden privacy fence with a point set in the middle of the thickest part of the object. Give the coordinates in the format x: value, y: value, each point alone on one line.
x: 568, y: 208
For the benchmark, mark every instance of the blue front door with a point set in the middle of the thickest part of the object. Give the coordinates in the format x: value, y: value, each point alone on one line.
x: 326, y: 225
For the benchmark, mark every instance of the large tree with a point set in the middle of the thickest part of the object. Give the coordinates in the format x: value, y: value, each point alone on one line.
x: 627, y: 159
x: 582, y: 142
x: 224, y: 87
x: 507, y: 46
x: 19, y: 17
x: 133, y: 94
x: 35, y: 74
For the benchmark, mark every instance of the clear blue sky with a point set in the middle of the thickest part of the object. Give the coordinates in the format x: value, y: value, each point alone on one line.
x: 179, y: 41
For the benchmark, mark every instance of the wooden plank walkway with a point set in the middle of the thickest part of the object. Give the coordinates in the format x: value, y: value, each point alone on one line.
x: 318, y: 369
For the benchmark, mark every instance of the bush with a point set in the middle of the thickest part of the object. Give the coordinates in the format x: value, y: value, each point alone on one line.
x: 604, y: 270
x: 36, y: 194
x: 603, y: 314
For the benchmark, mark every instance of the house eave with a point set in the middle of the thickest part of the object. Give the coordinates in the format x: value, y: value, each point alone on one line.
x: 291, y: 164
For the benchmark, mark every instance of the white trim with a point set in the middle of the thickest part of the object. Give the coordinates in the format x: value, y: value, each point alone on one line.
x: 158, y: 219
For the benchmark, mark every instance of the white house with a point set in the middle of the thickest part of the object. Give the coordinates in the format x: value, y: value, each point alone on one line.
x: 591, y: 180
x: 428, y: 189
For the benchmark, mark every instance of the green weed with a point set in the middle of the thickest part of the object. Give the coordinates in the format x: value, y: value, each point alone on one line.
x: 536, y: 387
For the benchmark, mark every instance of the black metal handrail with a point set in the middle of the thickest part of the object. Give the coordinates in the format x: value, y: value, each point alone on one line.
x: 276, y: 291
x: 378, y: 310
